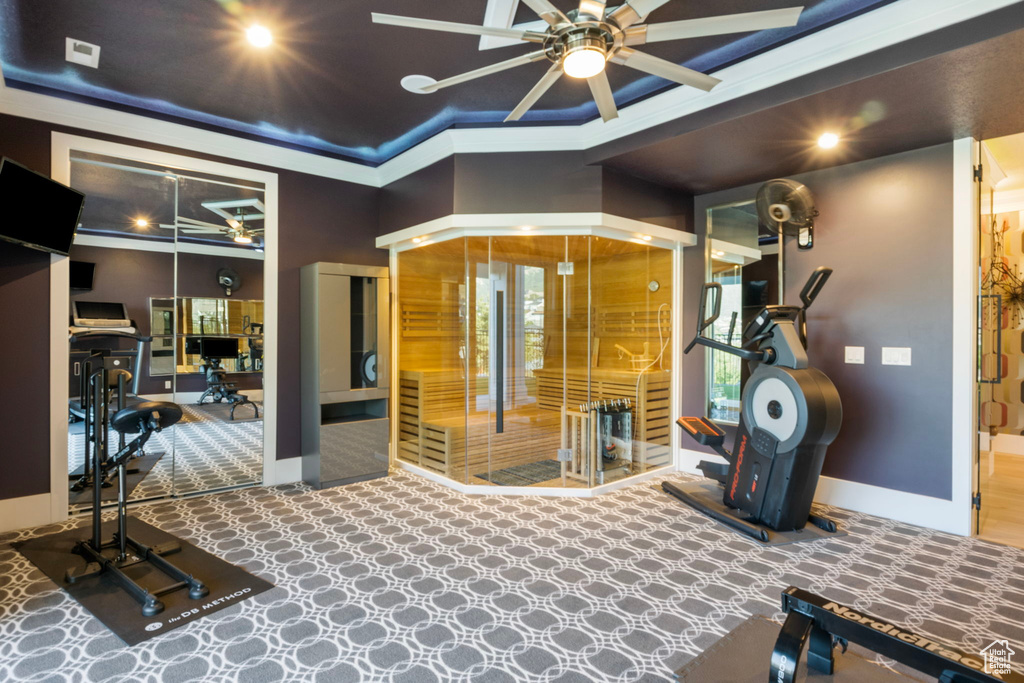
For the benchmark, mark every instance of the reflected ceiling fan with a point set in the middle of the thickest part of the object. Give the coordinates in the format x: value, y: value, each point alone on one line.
x: 235, y: 213
x: 581, y: 41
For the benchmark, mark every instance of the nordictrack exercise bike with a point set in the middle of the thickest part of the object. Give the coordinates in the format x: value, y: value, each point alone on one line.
x: 790, y: 412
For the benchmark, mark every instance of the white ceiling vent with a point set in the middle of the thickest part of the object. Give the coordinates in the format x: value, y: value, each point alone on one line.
x: 81, y: 52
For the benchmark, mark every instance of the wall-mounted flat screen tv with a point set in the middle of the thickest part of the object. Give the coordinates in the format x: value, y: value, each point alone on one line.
x: 81, y: 274
x: 35, y: 211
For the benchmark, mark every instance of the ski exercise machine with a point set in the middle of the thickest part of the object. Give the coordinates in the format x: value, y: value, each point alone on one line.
x: 112, y: 557
x: 93, y: 410
x: 789, y: 413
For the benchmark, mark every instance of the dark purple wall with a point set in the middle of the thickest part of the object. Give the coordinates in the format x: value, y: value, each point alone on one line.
x: 886, y: 230
x: 24, y: 336
x: 419, y: 197
x: 630, y: 197
x: 25, y: 368
x: 536, y: 182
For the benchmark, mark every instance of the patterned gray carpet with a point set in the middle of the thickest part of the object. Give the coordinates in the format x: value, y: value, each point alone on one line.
x: 209, y: 453
x: 403, y: 580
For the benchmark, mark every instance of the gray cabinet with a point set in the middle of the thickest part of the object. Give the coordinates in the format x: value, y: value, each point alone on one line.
x: 345, y: 373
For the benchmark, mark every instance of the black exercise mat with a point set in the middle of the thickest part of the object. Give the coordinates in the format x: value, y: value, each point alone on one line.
x: 115, y: 608
x: 744, y: 656
x: 144, y: 465
x: 709, y: 492
x: 524, y: 475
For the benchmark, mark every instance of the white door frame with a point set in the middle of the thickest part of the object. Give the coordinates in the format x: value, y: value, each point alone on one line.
x: 60, y: 170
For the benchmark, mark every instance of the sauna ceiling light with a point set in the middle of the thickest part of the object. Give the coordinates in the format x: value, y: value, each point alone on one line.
x: 828, y: 140
x: 645, y: 238
x: 417, y: 240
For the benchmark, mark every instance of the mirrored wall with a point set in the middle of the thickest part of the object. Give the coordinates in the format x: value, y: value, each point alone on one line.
x: 180, y: 252
x: 742, y: 257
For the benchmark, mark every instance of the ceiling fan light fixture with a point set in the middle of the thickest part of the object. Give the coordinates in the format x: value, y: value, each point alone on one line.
x: 243, y: 238
x: 585, y: 56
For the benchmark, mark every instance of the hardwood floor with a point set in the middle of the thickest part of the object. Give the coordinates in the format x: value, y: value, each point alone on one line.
x: 1002, y: 500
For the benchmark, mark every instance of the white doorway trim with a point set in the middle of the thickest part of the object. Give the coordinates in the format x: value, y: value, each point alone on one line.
x: 60, y: 170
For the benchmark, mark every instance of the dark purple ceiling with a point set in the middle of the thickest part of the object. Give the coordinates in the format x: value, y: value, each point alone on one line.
x: 330, y: 84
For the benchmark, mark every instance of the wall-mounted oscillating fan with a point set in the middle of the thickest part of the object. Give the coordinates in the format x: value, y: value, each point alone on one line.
x: 581, y: 41
x: 786, y: 207
x: 229, y: 280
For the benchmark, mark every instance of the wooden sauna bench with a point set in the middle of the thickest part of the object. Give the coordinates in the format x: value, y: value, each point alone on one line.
x: 651, y: 435
x: 433, y: 428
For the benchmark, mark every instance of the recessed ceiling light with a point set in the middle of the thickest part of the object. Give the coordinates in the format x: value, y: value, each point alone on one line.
x: 828, y: 140
x: 141, y: 222
x: 646, y: 238
x: 259, y: 36
x: 417, y: 240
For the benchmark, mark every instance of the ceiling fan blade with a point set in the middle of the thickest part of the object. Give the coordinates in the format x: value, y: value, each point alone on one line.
x: 713, y: 26
x: 487, y: 70
x: 453, y: 27
x: 633, y: 11
x: 660, y: 67
x: 548, y: 12
x: 592, y: 8
x: 602, y: 93
x: 548, y: 80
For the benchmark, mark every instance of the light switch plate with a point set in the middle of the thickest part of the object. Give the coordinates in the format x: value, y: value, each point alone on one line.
x: 896, y: 355
x: 855, y: 355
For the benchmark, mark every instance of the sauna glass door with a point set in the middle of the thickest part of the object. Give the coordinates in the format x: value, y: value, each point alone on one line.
x: 519, y: 356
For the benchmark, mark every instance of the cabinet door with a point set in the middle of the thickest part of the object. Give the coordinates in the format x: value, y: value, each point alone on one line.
x: 335, y: 344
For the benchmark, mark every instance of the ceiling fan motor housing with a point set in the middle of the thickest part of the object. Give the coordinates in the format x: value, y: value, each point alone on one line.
x: 592, y: 36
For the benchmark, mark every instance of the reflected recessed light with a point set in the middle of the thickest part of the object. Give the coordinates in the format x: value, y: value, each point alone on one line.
x: 417, y: 240
x: 828, y: 140
x: 526, y: 227
x: 259, y: 36
x: 645, y: 238
x: 719, y: 253
x: 141, y: 222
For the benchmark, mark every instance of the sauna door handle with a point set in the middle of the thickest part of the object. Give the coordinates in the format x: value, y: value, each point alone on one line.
x: 499, y: 361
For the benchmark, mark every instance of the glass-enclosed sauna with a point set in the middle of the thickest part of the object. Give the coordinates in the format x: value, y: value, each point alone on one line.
x: 534, y: 359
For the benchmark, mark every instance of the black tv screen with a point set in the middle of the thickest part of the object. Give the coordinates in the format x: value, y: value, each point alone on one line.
x: 35, y: 211
x: 219, y: 347
x: 81, y: 274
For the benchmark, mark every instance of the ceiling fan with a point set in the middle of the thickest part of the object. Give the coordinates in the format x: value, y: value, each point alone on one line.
x: 581, y: 41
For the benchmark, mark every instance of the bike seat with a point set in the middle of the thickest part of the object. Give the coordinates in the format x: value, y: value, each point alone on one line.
x: 131, y: 419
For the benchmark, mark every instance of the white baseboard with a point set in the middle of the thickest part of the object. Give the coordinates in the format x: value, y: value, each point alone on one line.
x: 1012, y: 444
x: 287, y: 471
x: 22, y: 513
x: 911, y: 508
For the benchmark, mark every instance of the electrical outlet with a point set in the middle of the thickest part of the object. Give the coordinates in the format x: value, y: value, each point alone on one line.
x: 167, y: 384
x: 855, y: 355
x: 895, y: 355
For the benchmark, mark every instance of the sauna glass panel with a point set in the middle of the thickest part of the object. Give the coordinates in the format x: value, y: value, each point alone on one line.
x: 433, y: 355
x: 631, y: 303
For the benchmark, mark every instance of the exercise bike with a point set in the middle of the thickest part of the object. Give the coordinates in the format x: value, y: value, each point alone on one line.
x: 790, y: 412
x: 112, y: 557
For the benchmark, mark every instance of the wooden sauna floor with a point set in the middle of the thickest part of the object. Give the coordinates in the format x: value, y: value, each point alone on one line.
x: 1002, y: 500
